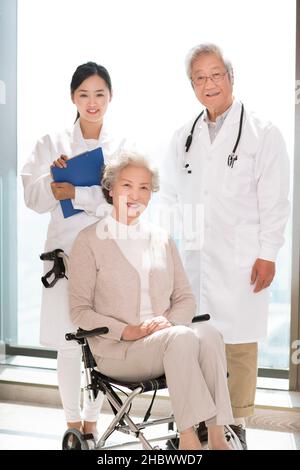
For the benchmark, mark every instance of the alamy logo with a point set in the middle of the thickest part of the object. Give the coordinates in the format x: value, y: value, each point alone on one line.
x: 2, y: 92
x: 297, y: 92
x: 296, y: 353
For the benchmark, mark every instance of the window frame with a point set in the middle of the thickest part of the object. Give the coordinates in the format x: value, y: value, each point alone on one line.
x: 294, y: 370
x: 8, y: 206
x: 8, y: 173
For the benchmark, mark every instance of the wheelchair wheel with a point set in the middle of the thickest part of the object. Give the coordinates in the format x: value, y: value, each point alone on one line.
x: 232, y: 438
x: 74, y: 440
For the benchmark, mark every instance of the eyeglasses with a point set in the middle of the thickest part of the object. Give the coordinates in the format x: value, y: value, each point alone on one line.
x: 216, y: 77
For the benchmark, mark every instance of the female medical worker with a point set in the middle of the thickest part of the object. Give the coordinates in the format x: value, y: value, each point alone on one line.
x: 91, y: 92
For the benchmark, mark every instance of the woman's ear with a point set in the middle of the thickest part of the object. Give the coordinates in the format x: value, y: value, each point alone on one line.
x: 72, y: 98
x: 111, y: 193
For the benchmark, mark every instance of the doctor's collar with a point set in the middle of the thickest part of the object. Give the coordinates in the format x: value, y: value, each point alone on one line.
x: 221, y: 118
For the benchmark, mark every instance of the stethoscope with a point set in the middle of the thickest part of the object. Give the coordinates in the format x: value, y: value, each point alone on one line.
x: 232, y: 157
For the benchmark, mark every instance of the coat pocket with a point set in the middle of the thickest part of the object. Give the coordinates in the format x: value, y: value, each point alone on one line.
x: 239, y: 179
x: 247, y: 245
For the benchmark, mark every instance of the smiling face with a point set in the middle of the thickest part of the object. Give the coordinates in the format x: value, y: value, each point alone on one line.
x: 131, y: 193
x: 216, y: 95
x: 91, y: 99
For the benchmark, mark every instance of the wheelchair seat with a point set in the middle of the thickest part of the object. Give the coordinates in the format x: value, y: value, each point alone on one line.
x: 146, y: 386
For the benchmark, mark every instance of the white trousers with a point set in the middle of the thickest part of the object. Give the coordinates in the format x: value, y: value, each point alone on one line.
x: 69, y: 382
x: 194, y: 363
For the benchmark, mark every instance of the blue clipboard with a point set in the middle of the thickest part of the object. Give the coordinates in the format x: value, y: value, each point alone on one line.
x: 83, y: 170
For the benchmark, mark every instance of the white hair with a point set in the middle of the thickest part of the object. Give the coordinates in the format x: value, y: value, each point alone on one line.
x: 123, y: 159
x: 207, y: 48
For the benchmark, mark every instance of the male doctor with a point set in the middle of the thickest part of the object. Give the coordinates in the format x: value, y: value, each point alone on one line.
x: 233, y: 170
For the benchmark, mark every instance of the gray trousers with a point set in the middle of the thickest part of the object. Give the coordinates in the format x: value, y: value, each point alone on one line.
x: 194, y: 362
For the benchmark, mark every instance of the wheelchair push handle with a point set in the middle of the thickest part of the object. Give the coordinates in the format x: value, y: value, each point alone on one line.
x: 58, y: 270
x: 86, y: 333
x: 198, y: 318
x: 51, y: 255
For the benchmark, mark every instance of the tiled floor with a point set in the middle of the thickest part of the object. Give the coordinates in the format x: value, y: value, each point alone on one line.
x: 24, y: 426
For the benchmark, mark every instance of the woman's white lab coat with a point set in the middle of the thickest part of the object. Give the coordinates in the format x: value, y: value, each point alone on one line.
x: 242, y: 212
x: 55, y: 321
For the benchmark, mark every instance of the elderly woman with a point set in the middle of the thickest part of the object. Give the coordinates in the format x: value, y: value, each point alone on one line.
x: 127, y: 275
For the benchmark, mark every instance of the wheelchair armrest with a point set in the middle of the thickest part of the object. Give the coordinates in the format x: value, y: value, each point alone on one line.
x: 199, y: 318
x: 86, y: 333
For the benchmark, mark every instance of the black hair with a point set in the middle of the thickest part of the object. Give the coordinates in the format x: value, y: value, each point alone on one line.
x: 85, y: 71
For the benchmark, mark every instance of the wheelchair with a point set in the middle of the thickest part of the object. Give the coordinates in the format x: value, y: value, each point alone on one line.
x: 96, y: 382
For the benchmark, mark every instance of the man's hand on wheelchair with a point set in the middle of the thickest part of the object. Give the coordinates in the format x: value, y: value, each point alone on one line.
x: 134, y: 332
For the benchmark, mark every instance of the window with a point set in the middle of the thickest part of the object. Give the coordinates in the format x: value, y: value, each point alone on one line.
x: 143, y: 45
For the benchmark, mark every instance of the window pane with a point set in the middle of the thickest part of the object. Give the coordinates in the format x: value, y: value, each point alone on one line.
x: 274, y: 352
x: 143, y: 46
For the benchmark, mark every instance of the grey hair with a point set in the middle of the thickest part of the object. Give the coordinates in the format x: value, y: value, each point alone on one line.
x: 123, y: 159
x: 207, y: 48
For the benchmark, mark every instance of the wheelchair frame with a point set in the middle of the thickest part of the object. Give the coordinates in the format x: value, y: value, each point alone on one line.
x: 122, y: 422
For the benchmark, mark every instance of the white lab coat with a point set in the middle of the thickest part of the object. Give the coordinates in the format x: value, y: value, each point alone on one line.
x: 55, y: 321
x: 245, y: 210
